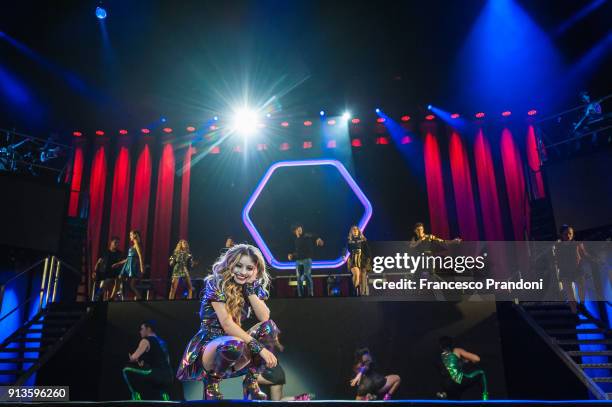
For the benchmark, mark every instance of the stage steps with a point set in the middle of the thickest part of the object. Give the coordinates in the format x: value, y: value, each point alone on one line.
x: 30, y: 346
x: 563, y: 331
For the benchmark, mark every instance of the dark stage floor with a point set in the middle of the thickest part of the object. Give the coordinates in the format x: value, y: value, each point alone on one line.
x: 398, y: 403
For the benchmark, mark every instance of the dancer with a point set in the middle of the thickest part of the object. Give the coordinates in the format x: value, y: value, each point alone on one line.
x: 107, y: 270
x: 428, y: 242
x: 229, y: 242
x: 569, y: 256
x: 222, y: 348
x: 274, y: 377
x: 455, y: 380
x: 371, y: 384
x: 304, y: 251
x: 359, y: 261
x: 133, y: 265
x: 153, y: 364
x: 181, y: 262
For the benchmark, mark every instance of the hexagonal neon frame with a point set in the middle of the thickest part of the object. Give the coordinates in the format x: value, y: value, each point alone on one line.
x: 288, y: 265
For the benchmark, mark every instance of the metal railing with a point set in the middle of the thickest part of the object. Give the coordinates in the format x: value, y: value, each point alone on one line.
x: 48, y: 284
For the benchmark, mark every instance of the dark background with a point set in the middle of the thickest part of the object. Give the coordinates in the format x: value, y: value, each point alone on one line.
x: 320, y: 344
x: 32, y: 212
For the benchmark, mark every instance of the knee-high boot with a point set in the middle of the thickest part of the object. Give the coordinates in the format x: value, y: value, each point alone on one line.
x: 266, y: 333
x: 226, y: 355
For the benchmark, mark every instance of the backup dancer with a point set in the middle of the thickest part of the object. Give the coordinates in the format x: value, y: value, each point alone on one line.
x: 456, y: 379
x: 359, y: 261
x: 181, y: 262
x: 370, y: 383
x: 133, y: 265
x: 222, y: 348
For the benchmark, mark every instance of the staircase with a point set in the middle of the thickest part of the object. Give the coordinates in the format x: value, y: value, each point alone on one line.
x: 34, y: 343
x: 576, y: 339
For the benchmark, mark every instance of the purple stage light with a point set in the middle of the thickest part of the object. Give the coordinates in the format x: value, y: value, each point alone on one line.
x: 303, y: 163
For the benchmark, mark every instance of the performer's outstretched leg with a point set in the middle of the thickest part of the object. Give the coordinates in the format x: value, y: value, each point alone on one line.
x: 473, y: 376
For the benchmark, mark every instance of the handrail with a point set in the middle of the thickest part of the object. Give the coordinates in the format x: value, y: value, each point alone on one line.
x: 24, y: 271
x: 49, y: 281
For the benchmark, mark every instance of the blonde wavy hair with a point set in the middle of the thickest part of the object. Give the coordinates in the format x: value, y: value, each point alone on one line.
x: 178, y: 246
x: 222, y: 273
x: 359, y: 236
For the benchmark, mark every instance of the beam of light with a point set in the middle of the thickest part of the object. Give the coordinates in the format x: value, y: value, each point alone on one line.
x: 579, y: 15
x: 507, y: 60
x: 453, y: 119
x: 73, y: 81
x: 317, y: 264
x: 589, y: 61
x: 245, y: 121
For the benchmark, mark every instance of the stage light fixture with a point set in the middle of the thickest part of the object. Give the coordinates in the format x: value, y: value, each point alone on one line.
x: 100, y: 13
x: 322, y: 113
x: 429, y: 107
x: 245, y: 121
x: 506, y: 113
x: 532, y: 112
x: 454, y: 116
x: 377, y: 110
x: 346, y: 116
x: 479, y: 115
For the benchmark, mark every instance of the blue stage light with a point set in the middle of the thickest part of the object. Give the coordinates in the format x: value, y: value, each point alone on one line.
x: 322, y: 113
x: 216, y: 118
x: 163, y: 119
x: 429, y: 107
x: 100, y: 13
x: 377, y: 110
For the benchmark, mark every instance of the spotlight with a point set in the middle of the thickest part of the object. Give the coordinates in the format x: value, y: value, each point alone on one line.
x: 454, y: 116
x: 405, y: 118
x: 331, y: 122
x: 163, y: 119
x: 191, y: 129
x: 307, y: 123
x: 285, y: 124
x: 356, y: 120
x: 167, y: 130
x: 99, y: 133
x: 123, y: 132
x: 430, y: 117
x: 77, y: 133
x: 479, y: 115
x: 244, y: 121
x: 346, y: 116
x: 100, y: 13
x: 322, y: 113
x: 268, y: 115
x: 429, y: 107
x: 216, y: 118
x: 380, y: 120
x: 377, y: 110
x: 506, y: 113
x: 145, y: 131
x: 532, y: 112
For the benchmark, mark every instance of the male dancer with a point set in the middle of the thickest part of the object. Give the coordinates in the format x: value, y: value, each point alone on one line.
x: 106, y: 271
x: 153, y: 364
x: 304, y: 249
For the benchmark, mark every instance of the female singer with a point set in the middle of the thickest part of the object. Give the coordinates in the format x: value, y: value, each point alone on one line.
x: 181, y: 262
x: 359, y: 262
x: 133, y: 265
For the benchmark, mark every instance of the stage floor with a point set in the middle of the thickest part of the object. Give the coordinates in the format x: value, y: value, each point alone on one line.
x: 319, y: 403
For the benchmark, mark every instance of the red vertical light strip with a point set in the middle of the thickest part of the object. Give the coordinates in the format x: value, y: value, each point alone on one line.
x: 435, y: 187
x: 515, y: 185
x: 96, y: 201
x: 120, y: 197
x: 487, y: 188
x: 75, y: 183
x: 462, y: 186
x: 533, y: 158
x: 163, y: 219
x: 141, y: 195
x: 186, y: 180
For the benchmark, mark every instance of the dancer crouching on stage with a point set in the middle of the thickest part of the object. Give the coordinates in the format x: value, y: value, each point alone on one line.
x: 370, y: 384
x: 222, y: 348
x: 359, y: 260
x: 456, y: 379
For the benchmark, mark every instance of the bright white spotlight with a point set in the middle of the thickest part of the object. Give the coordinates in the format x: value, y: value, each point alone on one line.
x: 245, y: 121
x: 346, y: 116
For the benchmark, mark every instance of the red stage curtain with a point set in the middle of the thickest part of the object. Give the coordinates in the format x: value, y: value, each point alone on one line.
x: 75, y: 183
x: 462, y: 186
x: 533, y: 158
x: 96, y: 202
x: 435, y: 187
x: 163, y: 219
x: 186, y: 180
x: 120, y: 196
x: 487, y: 188
x: 141, y: 195
x: 515, y: 185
